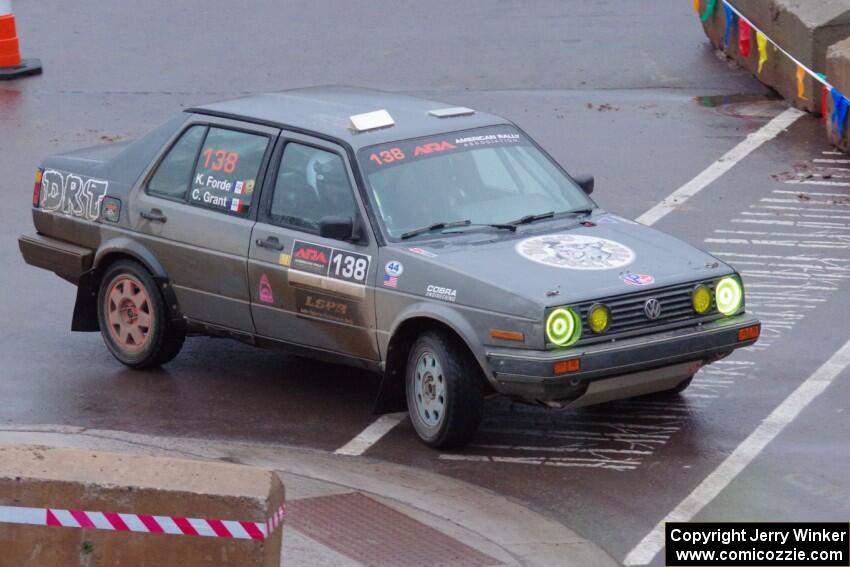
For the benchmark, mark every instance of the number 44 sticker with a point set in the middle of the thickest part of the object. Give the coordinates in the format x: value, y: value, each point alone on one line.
x: 349, y: 266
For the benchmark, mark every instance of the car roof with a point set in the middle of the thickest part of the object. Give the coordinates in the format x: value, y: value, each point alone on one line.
x: 327, y: 111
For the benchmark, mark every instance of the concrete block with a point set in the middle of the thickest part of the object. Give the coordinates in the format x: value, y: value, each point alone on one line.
x: 71, y: 479
x: 838, y: 70
x: 804, y: 28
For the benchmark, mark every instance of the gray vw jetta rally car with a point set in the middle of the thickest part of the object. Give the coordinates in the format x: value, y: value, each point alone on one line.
x: 437, y: 245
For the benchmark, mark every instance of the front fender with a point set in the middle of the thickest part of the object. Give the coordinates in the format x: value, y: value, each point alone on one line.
x: 450, y: 317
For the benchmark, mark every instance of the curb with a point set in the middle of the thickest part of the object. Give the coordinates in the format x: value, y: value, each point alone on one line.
x: 527, y: 536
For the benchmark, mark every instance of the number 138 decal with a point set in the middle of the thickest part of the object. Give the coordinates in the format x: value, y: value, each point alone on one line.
x: 349, y: 266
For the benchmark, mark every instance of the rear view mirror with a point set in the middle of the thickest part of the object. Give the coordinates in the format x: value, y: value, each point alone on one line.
x: 586, y: 183
x: 337, y: 228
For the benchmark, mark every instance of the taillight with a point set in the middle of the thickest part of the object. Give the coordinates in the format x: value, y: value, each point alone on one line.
x: 36, y: 190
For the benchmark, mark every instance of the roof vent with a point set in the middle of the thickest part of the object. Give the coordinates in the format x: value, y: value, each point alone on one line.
x: 451, y: 112
x: 371, y: 121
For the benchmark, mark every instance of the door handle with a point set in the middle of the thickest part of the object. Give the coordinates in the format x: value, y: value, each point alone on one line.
x: 271, y: 242
x: 154, y: 215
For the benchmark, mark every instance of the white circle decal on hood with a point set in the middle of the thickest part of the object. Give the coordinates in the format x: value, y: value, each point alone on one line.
x: 576, y: 252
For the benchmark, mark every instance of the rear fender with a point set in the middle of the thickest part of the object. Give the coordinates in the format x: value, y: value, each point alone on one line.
x: 85, y: 308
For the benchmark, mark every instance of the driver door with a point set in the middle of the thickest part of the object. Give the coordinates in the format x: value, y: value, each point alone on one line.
x: 307, y: 289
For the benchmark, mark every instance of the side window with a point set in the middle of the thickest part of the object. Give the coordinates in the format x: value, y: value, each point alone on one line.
x: 226, y: 173
x: 311, y: 184
x: 172, y: 177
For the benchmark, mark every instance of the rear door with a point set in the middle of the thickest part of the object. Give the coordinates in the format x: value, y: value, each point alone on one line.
x: 196, y: 213
x: 306, y: 289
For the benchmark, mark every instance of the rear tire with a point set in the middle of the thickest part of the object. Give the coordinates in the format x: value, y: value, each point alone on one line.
x: 133, y: 318
x: 445, y: 395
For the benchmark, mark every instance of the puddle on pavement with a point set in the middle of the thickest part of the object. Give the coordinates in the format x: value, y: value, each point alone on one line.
x: 743, y: 105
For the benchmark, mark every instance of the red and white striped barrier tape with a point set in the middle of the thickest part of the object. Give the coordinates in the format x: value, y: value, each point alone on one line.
x: 142, y: 523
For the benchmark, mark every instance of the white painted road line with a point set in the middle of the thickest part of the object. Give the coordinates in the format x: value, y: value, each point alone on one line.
x: 751, y: 143
x: 371, y: 434
x: 645, y: 551
x: 816, y: 182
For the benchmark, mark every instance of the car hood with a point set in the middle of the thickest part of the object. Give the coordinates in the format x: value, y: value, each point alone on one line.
x: 567, y: 262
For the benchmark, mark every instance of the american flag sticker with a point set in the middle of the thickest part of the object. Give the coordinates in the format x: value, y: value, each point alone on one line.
x: 390, y: 281
x: 236, y: 205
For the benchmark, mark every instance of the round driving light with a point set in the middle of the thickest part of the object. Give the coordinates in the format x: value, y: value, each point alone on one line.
x: 563, y: 327
x: 729, y: 295
x: 599, y: 318
x: 701, y: 299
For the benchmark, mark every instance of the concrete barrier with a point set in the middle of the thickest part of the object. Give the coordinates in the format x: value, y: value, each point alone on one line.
x: 804, y: 28
x: 838, y: 71
x: 69, y: 507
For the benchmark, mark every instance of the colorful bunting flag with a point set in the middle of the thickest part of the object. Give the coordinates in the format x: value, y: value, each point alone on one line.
x: 696, y: 6
x: 839, y: 112
x: 744, y: 38
x: 730, y: 23
x: 801, y: 83
x: 761, y: 41
x: 824, y: 99
x: 709, y: 10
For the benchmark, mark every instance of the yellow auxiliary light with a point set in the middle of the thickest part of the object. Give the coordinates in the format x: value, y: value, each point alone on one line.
x: 599, y: 318
x: 701, y: 299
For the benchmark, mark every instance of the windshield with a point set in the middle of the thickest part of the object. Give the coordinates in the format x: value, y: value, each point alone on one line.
x: 484, y: 176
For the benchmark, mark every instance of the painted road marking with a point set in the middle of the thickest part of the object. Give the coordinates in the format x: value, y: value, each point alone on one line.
x: 371, y: 434
x: 751, y: 143
x: 818, y: 182
x: 743, y: 455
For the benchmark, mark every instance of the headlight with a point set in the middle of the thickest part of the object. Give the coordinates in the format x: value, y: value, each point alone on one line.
x: 563, y: 327
x: 599, y: 318
x: 729, y: 295
x: 701, y: 299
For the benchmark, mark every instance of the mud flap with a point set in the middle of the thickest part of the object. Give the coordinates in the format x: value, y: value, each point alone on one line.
x: 391, y: 396
x: 85, y: 308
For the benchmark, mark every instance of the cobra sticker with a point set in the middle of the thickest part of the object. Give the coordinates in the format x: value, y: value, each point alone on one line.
x: 330, y: 262
x: 576, y: 252
x: 70, y: 195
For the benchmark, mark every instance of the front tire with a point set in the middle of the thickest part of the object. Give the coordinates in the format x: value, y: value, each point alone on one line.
x: 445, y: 396
x: 133, y: 317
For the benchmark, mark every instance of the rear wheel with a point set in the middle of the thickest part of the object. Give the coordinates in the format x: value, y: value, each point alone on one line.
x: 445, y: 397
x: 133, y: 318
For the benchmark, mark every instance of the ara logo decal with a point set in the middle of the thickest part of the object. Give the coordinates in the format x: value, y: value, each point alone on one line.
x: 69, y: 194
x: 433, y: 147
x: 312, y: 258
x: 638, y: 279
x: 266, y: 295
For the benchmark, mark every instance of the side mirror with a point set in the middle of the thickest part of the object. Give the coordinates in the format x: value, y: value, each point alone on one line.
x: 586, y: 183
x: 337, y: 228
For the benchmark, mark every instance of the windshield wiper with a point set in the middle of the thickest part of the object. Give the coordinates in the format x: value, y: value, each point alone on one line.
x: 454, y: 224
x: 583, y: 212
x: 433, y: 227
x: 532, y: 218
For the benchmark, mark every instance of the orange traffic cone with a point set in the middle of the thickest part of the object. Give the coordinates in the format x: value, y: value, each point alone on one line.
x: 11, y: 64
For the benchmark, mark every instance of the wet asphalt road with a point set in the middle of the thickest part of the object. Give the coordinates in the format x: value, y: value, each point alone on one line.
x: 611, y: 88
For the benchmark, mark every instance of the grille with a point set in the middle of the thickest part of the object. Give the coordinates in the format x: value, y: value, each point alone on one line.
x: 628, y: 317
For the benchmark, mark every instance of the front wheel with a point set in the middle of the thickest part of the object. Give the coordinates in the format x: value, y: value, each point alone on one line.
x: 133, y: 318
x: 445, y: 396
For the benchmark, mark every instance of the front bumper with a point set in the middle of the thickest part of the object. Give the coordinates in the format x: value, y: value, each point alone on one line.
x: 643, y: 364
